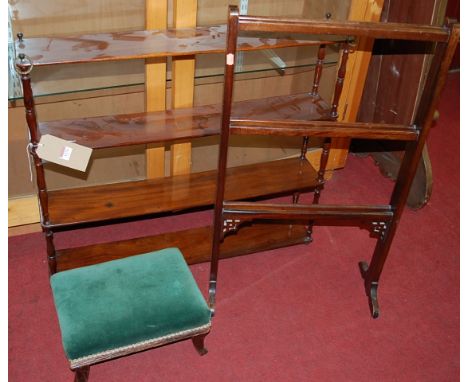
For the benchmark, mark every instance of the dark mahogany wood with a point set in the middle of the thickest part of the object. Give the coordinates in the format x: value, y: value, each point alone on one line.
x: 318, y: 70
x: 424, y: 118
x: 305, y: 142
x: 199, y: 343
x: 144, y: 44
x: 221, y: 177
x: 255, y: 210
x: 323, y: 129
x: 31, y: 119
x: 179, y: 124
x: 339, y: 81
x: 384, y: 219
x: 344, y: 28
x: 320, y: 178
x: 82, y: 374
x: 130, y: 199
x: 195, y: 244
x: 322, y: 168
x: 315, y: 87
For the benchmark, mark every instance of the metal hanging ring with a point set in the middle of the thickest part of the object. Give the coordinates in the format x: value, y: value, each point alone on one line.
x: 23, y: 60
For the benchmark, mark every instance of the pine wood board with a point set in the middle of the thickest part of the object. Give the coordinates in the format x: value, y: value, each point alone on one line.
x: 155, y: 86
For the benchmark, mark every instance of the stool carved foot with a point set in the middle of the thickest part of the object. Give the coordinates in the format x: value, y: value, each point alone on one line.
x: 199, y: 343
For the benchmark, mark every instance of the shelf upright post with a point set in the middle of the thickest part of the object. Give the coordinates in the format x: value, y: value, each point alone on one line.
x: 183, y: 82
x: 24, y: 67
x: 155, y: 86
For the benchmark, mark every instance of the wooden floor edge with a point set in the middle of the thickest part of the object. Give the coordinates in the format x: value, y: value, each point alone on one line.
x: 23, y: 211
x: 24, y: 229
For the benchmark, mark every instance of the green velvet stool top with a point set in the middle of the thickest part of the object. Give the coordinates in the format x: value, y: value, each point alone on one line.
x: 127, y: 305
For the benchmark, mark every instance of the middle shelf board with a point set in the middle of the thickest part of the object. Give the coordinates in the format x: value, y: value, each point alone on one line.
x: 145, y: 197
x: 180, y: 124
x: 147, y: 44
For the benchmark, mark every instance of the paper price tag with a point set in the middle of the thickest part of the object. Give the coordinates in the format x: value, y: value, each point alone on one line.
x: 63, y: 152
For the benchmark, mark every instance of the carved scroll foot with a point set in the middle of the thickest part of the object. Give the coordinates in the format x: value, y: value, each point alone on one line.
x: 371, y: 291
x: 199, y: 343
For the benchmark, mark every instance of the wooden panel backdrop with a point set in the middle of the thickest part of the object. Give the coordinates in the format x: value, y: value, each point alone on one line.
x: 155, y: 86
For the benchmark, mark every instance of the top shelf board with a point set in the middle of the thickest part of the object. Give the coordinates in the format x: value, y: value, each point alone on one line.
x: 147, y: 44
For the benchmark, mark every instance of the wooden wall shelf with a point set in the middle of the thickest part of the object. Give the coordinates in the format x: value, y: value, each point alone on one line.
x: 71, y: 208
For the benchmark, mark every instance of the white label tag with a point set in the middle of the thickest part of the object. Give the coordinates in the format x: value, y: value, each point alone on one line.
x: 63, y: 152
x: 229, y: 59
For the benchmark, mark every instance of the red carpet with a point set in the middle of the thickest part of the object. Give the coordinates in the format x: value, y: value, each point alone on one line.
x: 295, y: 314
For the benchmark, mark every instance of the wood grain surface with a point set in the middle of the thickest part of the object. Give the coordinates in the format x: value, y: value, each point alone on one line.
x: 193, y: 243
x: 130, y: 199
x: 179, y: 124
x: 143, y: 44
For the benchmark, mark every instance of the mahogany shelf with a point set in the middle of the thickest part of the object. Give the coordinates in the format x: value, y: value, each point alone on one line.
x: 145, y: 44
x: 71, y: 208
x: 145, y: 197
x: 194, y: 243
x: 180, y: 124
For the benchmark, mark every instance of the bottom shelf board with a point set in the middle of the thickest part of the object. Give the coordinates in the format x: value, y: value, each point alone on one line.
x: 194, y: 243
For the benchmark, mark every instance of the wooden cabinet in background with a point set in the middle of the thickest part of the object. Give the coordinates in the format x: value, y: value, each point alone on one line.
x: 393, y: 88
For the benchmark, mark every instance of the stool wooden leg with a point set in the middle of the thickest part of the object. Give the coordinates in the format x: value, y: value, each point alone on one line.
x: 82, y: 374
x: 199, y: 343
